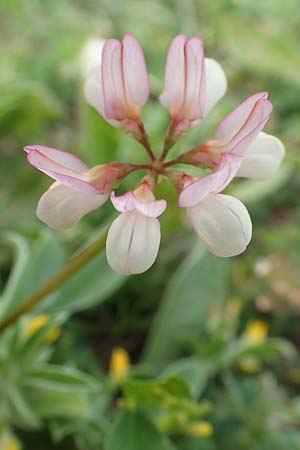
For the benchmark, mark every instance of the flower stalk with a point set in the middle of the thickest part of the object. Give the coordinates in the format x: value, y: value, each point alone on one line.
x: 56, y: 281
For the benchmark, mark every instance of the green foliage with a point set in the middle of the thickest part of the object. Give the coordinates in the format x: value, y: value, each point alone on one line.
x: 192, y: 357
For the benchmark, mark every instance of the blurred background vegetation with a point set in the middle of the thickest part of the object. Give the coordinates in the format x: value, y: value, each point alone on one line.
x: 213, y: 343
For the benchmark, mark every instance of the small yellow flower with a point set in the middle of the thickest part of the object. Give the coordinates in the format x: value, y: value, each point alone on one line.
x: 234, y: 307
x: 119, y: 363
x: 249, y: 365
x: 36, y: 324
x: 9, y: 442
x: 202, y: 429
x: 39, y: 322
x: 257, y: 331
x: 53, y: 335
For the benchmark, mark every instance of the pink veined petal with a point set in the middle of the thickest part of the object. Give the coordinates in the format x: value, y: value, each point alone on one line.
x: 60, y: 207
x: 262, y: 158
x: 223, y: 224
x: 132, y: 243
x: 68, y: 177
x: 194, y: 99
x: 216, y: 84
x: 136, y: 78
x: 255, y: 123
x: 232, y: 123
x: 127, y: 202
x: 173, y: 95
x: 68, y: 160
x: 123, y: 203
x: 214, y: 182
x: 115, y: 102
x: 151, y: 209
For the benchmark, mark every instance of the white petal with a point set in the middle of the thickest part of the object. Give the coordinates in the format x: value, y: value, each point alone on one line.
x: 262, y: 158
x: 132, y: 243
x: 61, y: 207
x: 93, y: 90
x: 216, y: 84
x: 223, y: 223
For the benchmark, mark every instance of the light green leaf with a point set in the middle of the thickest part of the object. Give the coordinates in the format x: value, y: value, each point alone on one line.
x: 134, y: 431
x: 199, y: 282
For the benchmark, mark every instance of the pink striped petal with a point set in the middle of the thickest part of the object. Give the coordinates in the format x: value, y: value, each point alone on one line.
x: 173, y: 95
x: 65, y: 159
x: 132, y: 243
x: 115, y: 102
x: 68, y: 177
x: 128, y: 202
x: 215, y: 182
x: 223, y: 224
x: 61, y: 207
x: 193, y: 108
x: 232, y: 124
x: 184, y: 93
x: 136, y: 80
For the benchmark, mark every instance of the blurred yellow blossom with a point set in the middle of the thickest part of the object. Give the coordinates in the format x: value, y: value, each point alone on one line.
x: 39, y: 322
x: 9, y: 442
x: 202, y: 429
x: 234, y: 306
x: 257, y: 331
x: 249, y: 364
x: 119, y: 363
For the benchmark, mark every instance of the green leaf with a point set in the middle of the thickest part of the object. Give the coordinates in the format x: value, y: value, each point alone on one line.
x: 160, y: 393
x: 32, y: 269
x: 199, y: 282
x: 60, y: 379
x: 134, y: 431
x: 194, y: 372
x: 49, y: 403
x: 92, y: 285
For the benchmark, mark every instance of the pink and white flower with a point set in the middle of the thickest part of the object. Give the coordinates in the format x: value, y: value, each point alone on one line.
x: 193, y: 83
x: 221, y: 221
x: 119, y: 86
x: 77, y: 189
x: 134, y: 237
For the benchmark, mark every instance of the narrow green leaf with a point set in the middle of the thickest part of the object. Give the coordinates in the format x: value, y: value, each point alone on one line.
x: 200, y: 282
x: 134, y: 431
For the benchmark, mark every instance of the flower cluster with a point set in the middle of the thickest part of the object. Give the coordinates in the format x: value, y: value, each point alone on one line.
x: 118, y: 88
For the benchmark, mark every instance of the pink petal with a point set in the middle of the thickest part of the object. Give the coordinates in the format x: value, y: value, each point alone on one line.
x: 127, y: 202
x: 132, y: 243
x: 115, y: 103
x: 255, y: 123
x: 123, y: 203
x: 60, y: 207
x: 223, y: 224
x: 68, y: 177
x: 194, y: 99
x: 136, y: 78
x: 215, y: 182
x: 173, y: 95
x: 231, y: 125
x: 65, y: 159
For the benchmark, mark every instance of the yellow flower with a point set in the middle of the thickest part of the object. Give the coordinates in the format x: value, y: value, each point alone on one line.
x: 257, y: 331
x: 9, y: 442
x: 36, y: 324
x: 234, y: 307
x: 119, y: 363
x: 202, y: 429
x: 39, y: 322
x: 249, y: 365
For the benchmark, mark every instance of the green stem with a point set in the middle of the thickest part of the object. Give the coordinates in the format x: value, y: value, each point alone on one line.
x: 56, y: 281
